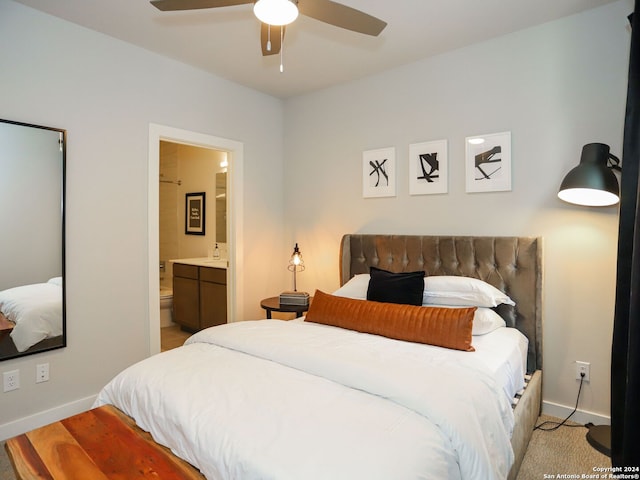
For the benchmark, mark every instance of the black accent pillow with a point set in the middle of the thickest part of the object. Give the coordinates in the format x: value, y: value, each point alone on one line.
x: 389, y: 287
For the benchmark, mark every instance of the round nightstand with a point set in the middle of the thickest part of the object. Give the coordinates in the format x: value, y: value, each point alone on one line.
x: 272, y: 304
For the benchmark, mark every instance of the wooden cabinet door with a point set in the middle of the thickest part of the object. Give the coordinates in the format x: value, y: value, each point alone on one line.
x: 213, y: 304
x: 186, y: 297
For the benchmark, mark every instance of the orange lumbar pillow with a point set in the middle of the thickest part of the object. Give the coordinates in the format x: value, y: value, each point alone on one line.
x: 443, y: 327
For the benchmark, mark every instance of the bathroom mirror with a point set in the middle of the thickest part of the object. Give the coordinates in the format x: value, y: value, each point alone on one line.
x: 221, y: 207
x: 32, y: 280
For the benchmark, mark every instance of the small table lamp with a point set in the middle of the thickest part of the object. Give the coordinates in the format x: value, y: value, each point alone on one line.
x: 296, y: 264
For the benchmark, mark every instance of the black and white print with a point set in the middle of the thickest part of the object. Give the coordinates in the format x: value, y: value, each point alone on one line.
x: 194, y: 213
x: 428, y: 166
x: 488, y: 162
x: 379, y: 173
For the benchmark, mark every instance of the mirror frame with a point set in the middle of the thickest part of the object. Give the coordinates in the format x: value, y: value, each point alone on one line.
x: 63, y: 149
x: 221, y: 207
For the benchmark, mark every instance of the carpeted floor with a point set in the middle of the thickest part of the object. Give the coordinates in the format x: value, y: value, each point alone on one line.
x: 564, y: 451
x: 6, y: 470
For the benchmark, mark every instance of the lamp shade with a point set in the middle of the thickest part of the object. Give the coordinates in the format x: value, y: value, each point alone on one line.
x: 296, y: 261
x: 296, y: 264
x: 592, y: 183
x: 275, y: 12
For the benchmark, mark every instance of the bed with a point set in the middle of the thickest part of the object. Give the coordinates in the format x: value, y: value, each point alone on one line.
x: 511, y: 264
x: 32, y: 313
x: 309, y: 399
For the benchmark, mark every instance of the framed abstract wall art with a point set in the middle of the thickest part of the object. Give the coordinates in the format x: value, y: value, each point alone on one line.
x: 488, y: 162
x: 428, y: 167
x: 379, y: 173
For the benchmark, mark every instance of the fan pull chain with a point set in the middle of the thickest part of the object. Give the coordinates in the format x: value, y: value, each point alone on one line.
x: 281, y: 49
x: 268, y: 38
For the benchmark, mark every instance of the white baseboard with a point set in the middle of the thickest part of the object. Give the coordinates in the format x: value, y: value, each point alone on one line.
x: 581, y: 416
x: 25, y: 424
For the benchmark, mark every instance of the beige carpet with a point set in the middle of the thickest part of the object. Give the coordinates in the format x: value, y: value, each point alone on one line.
x: 564, y: 451
x: 6, y: 471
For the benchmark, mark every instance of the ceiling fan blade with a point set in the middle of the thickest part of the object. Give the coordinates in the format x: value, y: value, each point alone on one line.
x: 172, y: 5
x: 341, y: 16
x: 276, y: 43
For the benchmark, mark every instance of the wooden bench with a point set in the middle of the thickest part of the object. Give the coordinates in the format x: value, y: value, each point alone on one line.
x: 99, y: 444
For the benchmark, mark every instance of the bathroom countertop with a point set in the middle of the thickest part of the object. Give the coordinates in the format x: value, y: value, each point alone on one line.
x: 203, y: 262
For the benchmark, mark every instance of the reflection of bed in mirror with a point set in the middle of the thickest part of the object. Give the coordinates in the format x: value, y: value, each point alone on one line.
x: 30, y: 314
x: 32, y: 186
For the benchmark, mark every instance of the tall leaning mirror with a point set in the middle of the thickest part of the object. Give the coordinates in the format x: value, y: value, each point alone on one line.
x: 32, y: 280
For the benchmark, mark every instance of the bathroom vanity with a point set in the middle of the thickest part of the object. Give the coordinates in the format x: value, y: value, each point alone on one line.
x: 199, y: 293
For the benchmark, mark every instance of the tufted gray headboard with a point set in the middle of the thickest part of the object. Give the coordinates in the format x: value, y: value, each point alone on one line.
x: 512, y: 264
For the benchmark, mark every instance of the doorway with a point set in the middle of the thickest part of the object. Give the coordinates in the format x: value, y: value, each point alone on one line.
x: 234, y: 151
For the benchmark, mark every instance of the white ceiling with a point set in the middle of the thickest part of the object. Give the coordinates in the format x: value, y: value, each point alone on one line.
x: 226, y: 41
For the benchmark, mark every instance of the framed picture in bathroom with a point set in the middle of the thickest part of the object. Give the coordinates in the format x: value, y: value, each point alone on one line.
x: 194, y: 213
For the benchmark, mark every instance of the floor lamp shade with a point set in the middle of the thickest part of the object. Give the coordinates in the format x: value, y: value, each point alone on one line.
x: 592, y: 182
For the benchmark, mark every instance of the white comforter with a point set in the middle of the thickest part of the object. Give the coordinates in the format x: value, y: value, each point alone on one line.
x: 36, y: 311
x: 295, y: 400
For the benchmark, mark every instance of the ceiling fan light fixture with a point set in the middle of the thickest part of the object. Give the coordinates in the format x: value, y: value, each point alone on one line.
x: 275, y: 12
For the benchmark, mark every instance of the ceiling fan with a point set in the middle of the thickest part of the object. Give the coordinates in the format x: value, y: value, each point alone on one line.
x: 282, y: 12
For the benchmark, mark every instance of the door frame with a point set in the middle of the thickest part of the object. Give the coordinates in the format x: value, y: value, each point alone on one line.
x: 235, y: 217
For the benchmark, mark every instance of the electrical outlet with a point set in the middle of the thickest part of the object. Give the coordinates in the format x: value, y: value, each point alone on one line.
x: 583, y: 368
x: 11, y: 380
x: 42, y: 372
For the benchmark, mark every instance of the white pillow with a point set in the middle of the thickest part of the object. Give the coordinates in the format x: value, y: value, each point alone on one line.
x: 438, y: 290
x: 485, y: 320
x: 355, y: 288
x: 462, y: 291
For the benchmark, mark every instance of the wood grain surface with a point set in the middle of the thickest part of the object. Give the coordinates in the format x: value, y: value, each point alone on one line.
x: 99, y: 444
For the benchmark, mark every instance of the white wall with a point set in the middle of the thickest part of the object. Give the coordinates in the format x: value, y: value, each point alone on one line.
x: 555, y: 87
x: 106, y: 93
